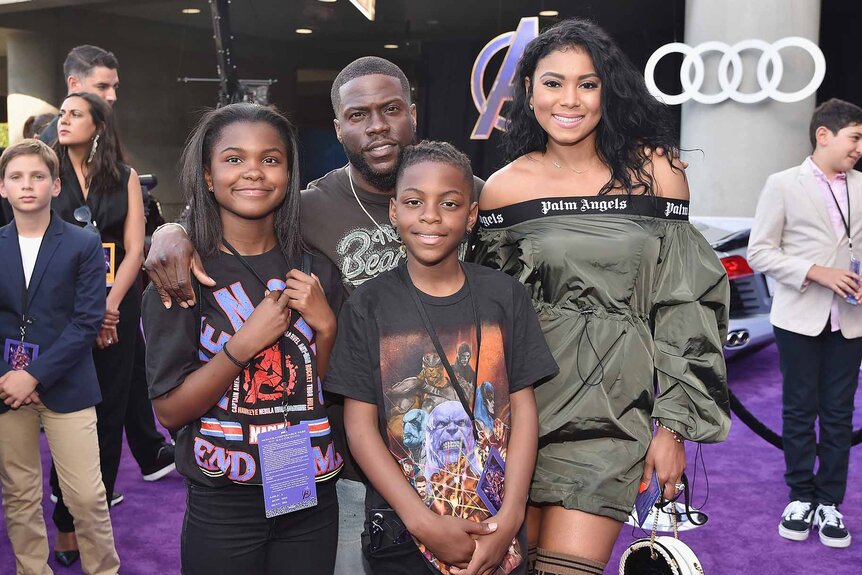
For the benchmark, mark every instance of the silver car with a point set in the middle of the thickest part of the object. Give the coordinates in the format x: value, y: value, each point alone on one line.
x: 750, y: 291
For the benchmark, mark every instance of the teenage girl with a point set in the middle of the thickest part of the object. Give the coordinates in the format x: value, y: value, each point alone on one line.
x: 247, y: 359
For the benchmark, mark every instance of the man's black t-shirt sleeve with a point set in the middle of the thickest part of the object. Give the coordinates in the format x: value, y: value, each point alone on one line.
x: 350, y: 371
x: 172, y: 350
x: 330, y: 280
x: 532, y: 362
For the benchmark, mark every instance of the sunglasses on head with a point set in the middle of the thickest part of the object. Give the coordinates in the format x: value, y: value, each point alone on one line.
x: 85, y: 216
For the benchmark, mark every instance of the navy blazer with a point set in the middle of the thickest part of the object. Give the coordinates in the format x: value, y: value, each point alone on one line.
x: 67, y: 305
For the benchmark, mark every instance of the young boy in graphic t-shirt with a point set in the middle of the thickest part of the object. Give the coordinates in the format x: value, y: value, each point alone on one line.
x: 437, y: 360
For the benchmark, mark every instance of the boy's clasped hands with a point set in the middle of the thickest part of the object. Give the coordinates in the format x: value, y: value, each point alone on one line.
x: 470, y: 548
x: 18, y: 388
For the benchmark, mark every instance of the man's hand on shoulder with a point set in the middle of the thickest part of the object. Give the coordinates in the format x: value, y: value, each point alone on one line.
x: 169, y: 263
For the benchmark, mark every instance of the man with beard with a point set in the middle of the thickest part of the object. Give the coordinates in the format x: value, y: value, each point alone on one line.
x: 345, y: 216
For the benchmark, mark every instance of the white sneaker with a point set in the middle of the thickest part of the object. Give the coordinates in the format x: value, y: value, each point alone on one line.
x: 796, y: 521
x: 830, y: 522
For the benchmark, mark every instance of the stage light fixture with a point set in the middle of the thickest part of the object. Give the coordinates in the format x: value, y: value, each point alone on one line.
x: 391, y: 46
x: 549, y: 13
x: 191, y: 10
x: 328, y: 1
x: 304, y: 30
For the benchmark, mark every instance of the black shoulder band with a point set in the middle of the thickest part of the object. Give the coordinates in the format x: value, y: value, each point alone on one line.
x: 649, y: 206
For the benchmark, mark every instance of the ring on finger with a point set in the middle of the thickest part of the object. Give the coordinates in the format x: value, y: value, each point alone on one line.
x: 679, y: 487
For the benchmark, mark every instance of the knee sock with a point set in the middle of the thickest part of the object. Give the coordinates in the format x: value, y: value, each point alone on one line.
x: 531, y: 559
x: 553, y: 563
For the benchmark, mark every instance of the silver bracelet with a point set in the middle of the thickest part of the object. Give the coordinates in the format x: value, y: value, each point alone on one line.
x: 155, y: 231
x: 676, y: 436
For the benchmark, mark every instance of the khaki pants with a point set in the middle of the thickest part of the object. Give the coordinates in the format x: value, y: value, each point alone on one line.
x: 75, y: 449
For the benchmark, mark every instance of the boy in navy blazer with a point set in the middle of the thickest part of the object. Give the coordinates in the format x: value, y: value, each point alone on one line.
x: 51, y: 308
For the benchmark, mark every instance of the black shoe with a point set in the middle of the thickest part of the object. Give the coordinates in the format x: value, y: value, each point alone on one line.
x: 67, y: 558
x: 796, y: 521
x: 116, y: 498
x: 833, y: 533
x: 164, y: 464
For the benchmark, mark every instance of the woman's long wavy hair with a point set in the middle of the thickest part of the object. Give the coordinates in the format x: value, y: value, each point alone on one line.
x: 204, y: 221
x: 103, y: 173
x: 631, y: 117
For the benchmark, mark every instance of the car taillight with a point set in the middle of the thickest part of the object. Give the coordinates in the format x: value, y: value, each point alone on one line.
x: 736, y: 267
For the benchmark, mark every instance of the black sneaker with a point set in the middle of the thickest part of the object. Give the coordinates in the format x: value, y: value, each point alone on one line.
x: 796, y: 521
x: 116, y: 498
x: 830, y: 522
x: 164, y: 464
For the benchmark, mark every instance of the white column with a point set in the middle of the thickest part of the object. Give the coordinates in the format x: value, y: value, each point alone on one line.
x: 33, y: 74
x: 743, y: 143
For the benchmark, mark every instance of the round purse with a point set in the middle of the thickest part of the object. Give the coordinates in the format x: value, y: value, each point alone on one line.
x: 660, y: 555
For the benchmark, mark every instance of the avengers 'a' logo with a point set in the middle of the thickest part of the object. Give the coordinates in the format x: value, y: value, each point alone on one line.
x: 489, y: 106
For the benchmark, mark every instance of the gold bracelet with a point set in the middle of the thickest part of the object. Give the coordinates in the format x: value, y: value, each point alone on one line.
x: 182, y: 227
x: 676, y: 436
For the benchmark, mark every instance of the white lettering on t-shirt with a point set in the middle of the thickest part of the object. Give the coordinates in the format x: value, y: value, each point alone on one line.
x: 365, y: 253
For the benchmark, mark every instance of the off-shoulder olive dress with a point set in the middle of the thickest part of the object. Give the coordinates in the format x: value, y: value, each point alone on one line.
x: 634, y: 305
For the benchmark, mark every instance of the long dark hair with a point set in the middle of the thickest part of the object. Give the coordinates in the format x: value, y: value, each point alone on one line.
x: 104, y: 174
x: 204, y: 221
x: 631, y: 117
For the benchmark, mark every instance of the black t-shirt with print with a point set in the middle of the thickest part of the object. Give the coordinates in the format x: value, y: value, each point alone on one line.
x: 220, y: 448
x: 335, y: 224
x: 384, y: 355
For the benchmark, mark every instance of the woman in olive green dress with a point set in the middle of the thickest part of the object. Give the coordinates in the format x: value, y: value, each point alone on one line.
x: 632, y: 299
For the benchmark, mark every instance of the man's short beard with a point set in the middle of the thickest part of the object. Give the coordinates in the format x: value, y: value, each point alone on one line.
x: 384, y: 182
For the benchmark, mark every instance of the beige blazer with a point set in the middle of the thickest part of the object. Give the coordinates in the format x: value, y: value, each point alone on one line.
x: 792, y: 232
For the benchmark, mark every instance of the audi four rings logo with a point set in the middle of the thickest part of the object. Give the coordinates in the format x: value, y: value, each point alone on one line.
x: 730, y: 71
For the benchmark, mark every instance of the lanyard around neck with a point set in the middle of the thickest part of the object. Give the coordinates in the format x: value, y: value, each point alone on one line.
x: 438, y: 347
x: 845, y: 221
x: 282, y: 351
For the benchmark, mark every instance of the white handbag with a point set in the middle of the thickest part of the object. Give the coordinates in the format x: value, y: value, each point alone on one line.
x: 660, y: 555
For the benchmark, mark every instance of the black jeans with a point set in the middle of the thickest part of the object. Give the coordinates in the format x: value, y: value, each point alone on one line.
x: 114, y: 370
x: 225, y: 531
x: 820, y: 378
x: 390, y: 550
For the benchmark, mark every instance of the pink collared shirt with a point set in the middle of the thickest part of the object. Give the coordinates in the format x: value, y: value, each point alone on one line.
x: 839, y: 192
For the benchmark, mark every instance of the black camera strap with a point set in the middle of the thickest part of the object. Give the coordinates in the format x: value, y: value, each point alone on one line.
x: 438, y: 347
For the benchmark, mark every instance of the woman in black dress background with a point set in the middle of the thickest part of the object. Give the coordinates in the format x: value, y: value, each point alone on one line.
x: 100, y: 192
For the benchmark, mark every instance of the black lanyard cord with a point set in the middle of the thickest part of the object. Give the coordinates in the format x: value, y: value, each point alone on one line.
x: 438, y: 347
x: 25, y: 308
x: 281, y: 341
x: 845, y: 221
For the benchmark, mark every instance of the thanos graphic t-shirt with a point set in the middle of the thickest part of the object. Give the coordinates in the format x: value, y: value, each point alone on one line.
x: 385, y: 355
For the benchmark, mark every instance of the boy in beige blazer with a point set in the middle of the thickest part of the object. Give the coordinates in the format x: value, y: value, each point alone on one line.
x: 807, y: 235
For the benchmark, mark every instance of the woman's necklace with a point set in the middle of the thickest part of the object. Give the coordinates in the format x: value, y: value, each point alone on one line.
x: 355, y: 195
x: 560, y: 167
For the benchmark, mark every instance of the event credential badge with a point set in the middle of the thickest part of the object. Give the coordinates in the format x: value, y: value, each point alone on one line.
x: 287, y: 469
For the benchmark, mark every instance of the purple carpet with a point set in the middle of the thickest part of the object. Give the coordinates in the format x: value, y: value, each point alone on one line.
x: 746, y: 497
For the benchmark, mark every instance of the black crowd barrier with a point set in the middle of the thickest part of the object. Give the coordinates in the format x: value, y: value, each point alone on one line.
x: 761, y: 429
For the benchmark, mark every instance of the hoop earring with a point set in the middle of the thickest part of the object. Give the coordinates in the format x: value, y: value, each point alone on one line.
x: 93, y: 149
